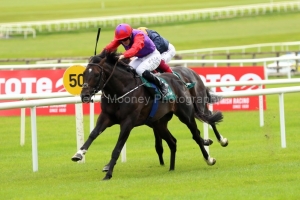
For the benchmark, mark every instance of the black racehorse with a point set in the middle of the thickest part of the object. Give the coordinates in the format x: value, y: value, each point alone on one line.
x: 198, y: 94
x: 117, y: 83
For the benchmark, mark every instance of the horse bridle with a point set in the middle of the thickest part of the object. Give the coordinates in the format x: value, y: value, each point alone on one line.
x: 97, y: 88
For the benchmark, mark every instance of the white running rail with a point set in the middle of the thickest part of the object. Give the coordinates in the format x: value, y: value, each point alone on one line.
x: 159, y: 17
x: 32, y: 104
x: 6, y: 31
x: 283, y: 46
x: 185, y: 63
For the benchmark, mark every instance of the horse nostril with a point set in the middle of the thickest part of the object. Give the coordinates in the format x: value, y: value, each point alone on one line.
x: 86, y: 100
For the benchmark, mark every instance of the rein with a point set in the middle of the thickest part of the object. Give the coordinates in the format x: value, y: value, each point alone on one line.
x: 98, y: 89
x: 109, y: 76
x: 125, y: 93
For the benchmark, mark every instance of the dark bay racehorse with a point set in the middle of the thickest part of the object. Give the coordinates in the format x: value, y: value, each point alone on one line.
x: 198, y: 92
x: 116, y: 83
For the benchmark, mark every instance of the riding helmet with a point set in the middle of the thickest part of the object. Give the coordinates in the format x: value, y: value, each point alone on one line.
x: 123, y: 31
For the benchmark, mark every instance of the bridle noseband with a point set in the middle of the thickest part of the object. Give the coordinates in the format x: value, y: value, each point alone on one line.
x: 97, y: 88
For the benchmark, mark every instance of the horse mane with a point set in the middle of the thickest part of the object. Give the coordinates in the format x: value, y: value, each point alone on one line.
x: 111, y: 59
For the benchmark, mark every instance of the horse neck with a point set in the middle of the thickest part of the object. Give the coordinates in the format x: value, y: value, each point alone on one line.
x: 119, y: 83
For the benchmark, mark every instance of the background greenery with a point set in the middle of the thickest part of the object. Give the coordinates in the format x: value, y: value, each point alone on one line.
x: 276, y: 27
x: 253, y: 166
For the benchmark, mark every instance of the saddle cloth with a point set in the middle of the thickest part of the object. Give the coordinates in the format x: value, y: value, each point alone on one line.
x: 153, y: 89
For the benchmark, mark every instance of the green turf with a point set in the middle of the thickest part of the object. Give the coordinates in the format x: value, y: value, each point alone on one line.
x: 253, y: 166
x: 276, y: 27
x: 32, y: 10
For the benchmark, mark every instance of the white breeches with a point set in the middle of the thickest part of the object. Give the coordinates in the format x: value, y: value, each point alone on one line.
x: 149, y: 62
x: 168, y: 55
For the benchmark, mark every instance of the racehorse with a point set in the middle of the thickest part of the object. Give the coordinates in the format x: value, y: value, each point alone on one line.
x: 189, y: 76
x: 117, y: 82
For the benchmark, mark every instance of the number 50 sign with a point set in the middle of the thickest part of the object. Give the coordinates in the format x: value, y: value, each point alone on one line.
x: 73, y: 79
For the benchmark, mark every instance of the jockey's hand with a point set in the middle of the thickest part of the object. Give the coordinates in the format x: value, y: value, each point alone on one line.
x: 121, y: 57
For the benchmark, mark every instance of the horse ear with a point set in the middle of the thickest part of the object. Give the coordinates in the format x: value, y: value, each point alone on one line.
x: 103, y: 54
x: 94, y: 59
x: 102, y: 61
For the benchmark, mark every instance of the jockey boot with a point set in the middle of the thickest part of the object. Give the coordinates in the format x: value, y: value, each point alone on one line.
x: 164, y: 67
x: 154, y: 79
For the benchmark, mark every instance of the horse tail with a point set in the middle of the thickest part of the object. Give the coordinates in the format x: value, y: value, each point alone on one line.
x: 201, y: 110
x: 212, y: 98
x: 211, y: 118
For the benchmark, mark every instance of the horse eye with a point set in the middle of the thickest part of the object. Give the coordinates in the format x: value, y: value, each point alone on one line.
x: 97, y: 75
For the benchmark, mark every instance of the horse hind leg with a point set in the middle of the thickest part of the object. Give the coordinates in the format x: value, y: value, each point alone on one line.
x: 222, y: 140
x: 164, y: 133
x: 192, y: 125
x: 159, y: 146
x: 213, y: 119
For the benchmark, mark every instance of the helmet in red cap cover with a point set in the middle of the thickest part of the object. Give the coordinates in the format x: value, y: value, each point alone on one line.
x: 123, y: 31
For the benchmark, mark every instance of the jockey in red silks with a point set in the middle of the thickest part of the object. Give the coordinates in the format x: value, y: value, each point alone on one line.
x: 165, y: 48
x: 138, y: 45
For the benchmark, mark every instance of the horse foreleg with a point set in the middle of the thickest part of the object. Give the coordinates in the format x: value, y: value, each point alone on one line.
x: 158, y: 147
x: 124, y: 134
x: 102, y: 123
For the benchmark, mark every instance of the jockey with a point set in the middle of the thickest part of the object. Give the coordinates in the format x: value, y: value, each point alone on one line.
x: 165, y: 48
x: 137, y: 44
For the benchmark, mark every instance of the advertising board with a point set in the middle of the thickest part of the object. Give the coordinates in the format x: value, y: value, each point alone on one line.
x: 48, y: 81
x: 229, y: 74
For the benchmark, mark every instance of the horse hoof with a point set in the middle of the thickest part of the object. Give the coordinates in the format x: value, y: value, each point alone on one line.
x: 105, y: 168
x: 207, y: 142
x: 106, y: 178
x: 224, y: 142
x: 210, y: 161
x: 77, y: 157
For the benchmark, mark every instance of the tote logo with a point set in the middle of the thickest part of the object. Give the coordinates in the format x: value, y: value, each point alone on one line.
x: 25, y: 85
x: 230, y: 78
x: 230, y: 74
x: 30, y: 81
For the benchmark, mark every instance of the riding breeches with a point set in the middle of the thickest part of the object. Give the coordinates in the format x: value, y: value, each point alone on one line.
x: 168, y: 55
x: 149, y: 62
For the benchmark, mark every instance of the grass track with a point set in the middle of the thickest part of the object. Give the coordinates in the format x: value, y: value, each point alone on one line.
x: 276, y: 27
x: 253, y: 166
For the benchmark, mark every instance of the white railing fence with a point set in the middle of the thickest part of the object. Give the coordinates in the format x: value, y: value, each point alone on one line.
x: 160, y: 17
x: 283, y: 46
x: 7, y: 31
x: 185, y: 63
x: 57, y: 100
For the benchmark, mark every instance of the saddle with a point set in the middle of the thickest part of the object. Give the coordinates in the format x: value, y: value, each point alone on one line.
x: 153, y: 89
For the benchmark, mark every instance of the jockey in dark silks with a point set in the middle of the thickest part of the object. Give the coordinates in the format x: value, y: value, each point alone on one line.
x: 165, y: 48
x: 138, y: 45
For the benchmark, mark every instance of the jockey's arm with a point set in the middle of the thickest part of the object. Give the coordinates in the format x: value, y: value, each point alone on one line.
x: 138, y: 44
x: 112, y: 46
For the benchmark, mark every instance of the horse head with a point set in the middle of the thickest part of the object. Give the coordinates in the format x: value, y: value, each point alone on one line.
x: 93, y: 78
x: 99, y: 71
